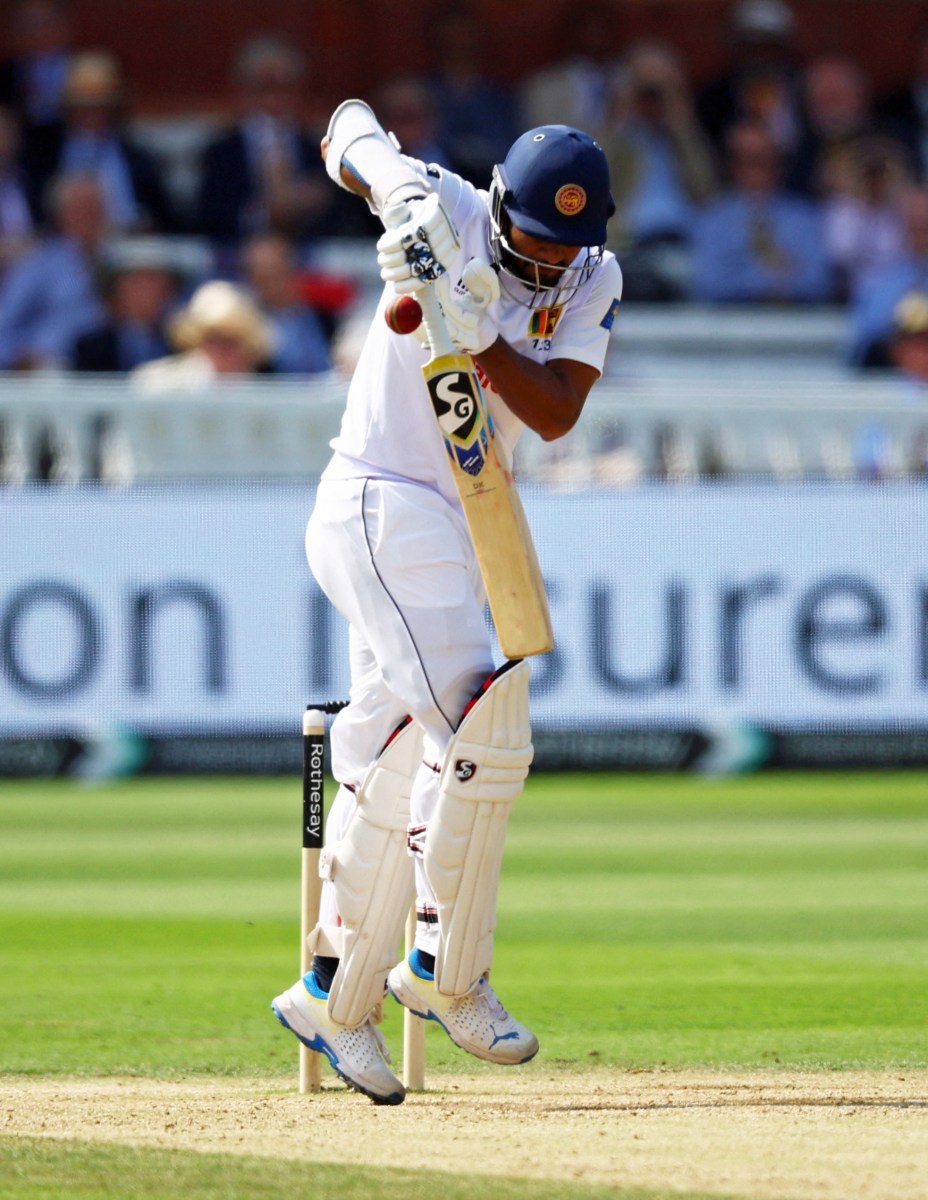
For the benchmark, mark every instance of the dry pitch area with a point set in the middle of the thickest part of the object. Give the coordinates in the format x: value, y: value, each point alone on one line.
x: 777, y: 1135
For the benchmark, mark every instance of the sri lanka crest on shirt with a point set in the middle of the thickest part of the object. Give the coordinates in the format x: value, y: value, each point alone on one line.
x: 543, y: 320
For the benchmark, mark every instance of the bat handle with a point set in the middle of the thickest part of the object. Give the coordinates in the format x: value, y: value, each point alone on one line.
x: 439, y: 339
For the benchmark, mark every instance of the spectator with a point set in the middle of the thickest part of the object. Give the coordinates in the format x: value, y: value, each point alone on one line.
x: 756, y: 243
x: 876, y: 451
x: 905, y: 110
x: 409, y: 109
x: 874, y: 305
x: 92, y: 139
x: 476, y: 113
x: 908, y: 343
x: 265, y: 173
x: 574, y: 90
x: 17, y: 224
x: 662, y: 168
x: 219, y: 335
x: 300, y: 345
x: 864, y: 225
x: 141, y: 284
x: 761, y: 80
x: 32, y: 79
x: 857, y: 171
x: 837, y: 115
x: 50, y: 296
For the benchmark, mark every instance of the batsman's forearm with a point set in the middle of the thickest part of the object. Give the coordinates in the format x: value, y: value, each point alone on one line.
x: 353, y: 184
x: 547, y: 397
x: 349, y: 179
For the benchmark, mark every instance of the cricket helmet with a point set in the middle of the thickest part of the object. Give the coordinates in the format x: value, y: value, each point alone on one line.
x: 554, y: 186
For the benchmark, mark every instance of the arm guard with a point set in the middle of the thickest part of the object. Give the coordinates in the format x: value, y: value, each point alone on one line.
x: 358, y: 141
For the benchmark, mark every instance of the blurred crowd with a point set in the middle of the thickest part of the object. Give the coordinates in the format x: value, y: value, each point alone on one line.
x: 784, y: 181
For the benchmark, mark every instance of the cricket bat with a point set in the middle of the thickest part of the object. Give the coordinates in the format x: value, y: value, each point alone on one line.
x: 495, y: 516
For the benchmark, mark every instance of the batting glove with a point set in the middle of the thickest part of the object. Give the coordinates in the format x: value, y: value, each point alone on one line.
x: 419, y: 250
x: 464, y: 307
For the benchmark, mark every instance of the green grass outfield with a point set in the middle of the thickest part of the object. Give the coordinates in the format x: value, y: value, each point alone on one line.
x: 144, y: 926
x: 765, y: 921
x: 37, y: 1170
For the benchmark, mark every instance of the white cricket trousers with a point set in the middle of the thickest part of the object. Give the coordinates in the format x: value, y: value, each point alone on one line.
x: 397, y: 562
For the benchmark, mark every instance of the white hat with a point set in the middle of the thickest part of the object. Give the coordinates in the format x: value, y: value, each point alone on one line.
x: 222, y: 307
x: 910, y: 316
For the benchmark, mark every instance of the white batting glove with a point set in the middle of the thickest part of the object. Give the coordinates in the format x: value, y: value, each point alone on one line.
x: 417, y: 252
x: 464, y: 308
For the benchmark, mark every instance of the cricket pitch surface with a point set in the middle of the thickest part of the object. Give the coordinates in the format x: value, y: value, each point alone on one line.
x: 763, y: 1135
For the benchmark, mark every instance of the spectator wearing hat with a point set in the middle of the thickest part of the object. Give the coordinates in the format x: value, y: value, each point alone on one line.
x: 874, y: 305
x: 142, y: 282
x: 877, y: 453
x: 51, y: 296
x: 220, y: 335
x: 761, y: 79
x: 265, y: 174
x: 908, y: 343
x: 93, y: 139
x: 756, y: 243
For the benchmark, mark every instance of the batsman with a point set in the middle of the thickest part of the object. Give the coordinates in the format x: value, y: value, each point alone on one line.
x: 415, y: 516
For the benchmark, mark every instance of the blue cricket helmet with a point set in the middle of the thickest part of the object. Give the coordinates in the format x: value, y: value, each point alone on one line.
x: 554, y: 185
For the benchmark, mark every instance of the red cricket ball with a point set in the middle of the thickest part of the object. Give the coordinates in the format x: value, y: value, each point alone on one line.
x: 404, y: 314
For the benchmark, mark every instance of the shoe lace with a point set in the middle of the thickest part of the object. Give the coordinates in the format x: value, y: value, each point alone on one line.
x: 494, y: 1005
x: 382, y: 1046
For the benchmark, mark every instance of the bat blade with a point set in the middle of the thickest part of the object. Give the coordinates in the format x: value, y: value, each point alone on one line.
x: 495, y: 517
x: 498, y: 527
x: 459, y: 409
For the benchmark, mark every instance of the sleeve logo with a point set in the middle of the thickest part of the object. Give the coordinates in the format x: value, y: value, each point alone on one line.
x: 611, y: 315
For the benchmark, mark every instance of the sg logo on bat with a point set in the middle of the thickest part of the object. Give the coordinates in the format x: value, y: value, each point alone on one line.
x: 458, y: 406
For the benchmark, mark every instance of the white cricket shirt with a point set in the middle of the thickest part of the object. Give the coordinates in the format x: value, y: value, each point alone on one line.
x: 389, y: 430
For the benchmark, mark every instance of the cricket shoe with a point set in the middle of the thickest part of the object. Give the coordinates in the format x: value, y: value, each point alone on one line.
x: 476, y: 1021
x: 357, y: 1055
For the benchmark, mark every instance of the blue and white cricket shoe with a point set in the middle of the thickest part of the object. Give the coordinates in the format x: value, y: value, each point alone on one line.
x: 477, y: 1021
x: 359, y: 1056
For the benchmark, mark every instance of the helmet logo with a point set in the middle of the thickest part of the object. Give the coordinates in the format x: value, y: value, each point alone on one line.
x: 570, y: 199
